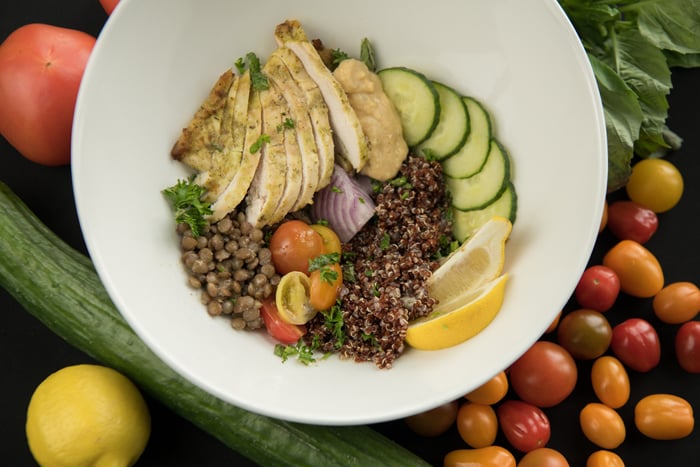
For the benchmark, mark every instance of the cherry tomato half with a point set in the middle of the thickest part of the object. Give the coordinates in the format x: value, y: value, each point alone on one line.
x: 276, y: 327
x: 628, y: 220
x: 604, y: 458
x: 325, y: 285
x: 477, y: 424
x: 41, y: 67
x: 293, y: 245
x: 677, y: 302
x: 636, y: 343
x: 664, y: 417
x: 586, y: 334
x: 525, y: 426
x: 598, y: 288
x: 543, y: 457
x: 434, y: 422
x: 656, y: 184
x: 687, y: 346
x: 544, y: 375
x: 611, y: 383
x: 637, y: 268
x: 602, y: 425
x: 331, y: 241
x: 491, y: 456
x: 491, y: 392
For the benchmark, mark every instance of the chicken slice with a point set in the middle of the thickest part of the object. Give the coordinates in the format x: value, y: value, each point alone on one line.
x: 236, y: 189
x: 199, y: 138
x: 268, y: 188
x: 347, y: 130
x: 305, y: 148
x: 318, y: 113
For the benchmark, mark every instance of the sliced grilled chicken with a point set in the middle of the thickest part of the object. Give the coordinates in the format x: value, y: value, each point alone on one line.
x: 199, y: 139
x: 267, y: 190
x: 347, y: 131
x: 236, y: 189
x: 304, y: 148
x: 318, y: 113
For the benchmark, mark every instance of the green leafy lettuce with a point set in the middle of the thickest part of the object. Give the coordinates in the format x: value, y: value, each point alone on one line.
x: 632, y: 46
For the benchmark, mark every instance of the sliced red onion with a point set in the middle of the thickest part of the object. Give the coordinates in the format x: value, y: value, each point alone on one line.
x: 345, y: 204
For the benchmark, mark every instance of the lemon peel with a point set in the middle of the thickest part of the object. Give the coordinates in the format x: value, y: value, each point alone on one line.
x: 85, y: 416
x: 448, y: 327
x: 477, y: 261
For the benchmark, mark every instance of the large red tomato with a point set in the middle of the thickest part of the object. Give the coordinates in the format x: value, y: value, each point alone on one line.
x: 40, y: 71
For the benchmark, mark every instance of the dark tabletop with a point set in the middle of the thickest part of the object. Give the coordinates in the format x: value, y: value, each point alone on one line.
x: 31, y: 352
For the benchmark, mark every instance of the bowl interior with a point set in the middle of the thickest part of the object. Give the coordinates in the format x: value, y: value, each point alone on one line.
x: 154, y: 63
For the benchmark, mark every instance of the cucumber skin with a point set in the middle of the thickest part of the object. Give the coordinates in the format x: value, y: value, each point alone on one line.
x: 59, y: 286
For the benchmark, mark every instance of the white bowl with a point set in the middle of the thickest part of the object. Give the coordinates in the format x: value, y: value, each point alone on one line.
x: 156, y: 60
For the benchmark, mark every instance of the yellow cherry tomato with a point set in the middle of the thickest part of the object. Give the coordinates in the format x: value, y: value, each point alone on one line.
x: 543, y: 457
x: 655, y: 184
x: 435, y: 421
x: 491, y: 391
x: 491, y: 456
x: 331, y: 242
x: 602, y: 425
x: 610, y: 381
x: 677, y: 303
x: 664, y: 416
x: 603, y: 458
x: 292, y: 298
x: 477, y: 424
x: 638, y: 269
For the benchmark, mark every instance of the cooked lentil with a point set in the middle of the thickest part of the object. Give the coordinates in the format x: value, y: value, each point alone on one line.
x: 393, y: 256
x: 231, y: 266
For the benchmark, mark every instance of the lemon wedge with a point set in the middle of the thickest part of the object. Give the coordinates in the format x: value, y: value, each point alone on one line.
x: 445, y: 327
x: 476, y: 262
x: 292, y: 298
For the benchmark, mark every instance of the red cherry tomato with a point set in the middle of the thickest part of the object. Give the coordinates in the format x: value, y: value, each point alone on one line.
x: 636, y: 343
x: 525, y: 426
x: 598, y: 288
x: 40, y: 71
x: 279, y: 329
x: 628, y: 220
x: 109, y: 5
x: 687, y: 344
x: 293, y: 245
x: 544, y: 375
x: 586, y: 334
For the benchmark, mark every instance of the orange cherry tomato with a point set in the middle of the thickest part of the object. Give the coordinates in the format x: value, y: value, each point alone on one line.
x: 656, y: 184
x: 491, y: 391
x: 610, y: 381
x: 677, y: 303
x: 543, y: 457
x: 109, y: 5
x: 325, y: 285
x: 433, y: 422
x: 664, y: 416
x: 331, y: 242
x: 638, y: 269
x: 603, y: 458
x: 602, y: 425
x: 491, y: 456
x: 477, y: 424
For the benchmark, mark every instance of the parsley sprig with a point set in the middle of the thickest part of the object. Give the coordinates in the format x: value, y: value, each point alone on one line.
x: 186, y: 198
x: 322, y: 263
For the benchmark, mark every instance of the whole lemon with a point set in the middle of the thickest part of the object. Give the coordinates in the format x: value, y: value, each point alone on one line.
x: 87, y: 415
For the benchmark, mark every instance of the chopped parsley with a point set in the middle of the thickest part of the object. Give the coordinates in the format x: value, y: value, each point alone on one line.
x: 336, y: 189
x: 334, y: 323
x: 258, y: 79
x: 337, y: 56
x: 287, y: 123
x: 303, y: 352
x: 258, y: 144
x: 186, y: 197
x: 322, y: 263
x: 385, y: 241
x: 240, y: 65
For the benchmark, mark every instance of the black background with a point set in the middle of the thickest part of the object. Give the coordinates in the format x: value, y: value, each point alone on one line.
x: 30, y: 352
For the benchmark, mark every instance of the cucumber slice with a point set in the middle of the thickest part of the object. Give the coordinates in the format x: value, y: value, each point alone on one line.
x: 472, y: 156
x: 465, y: 223
x: 452, y: 129
x: 416, y: 100
x: 485, y: 186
